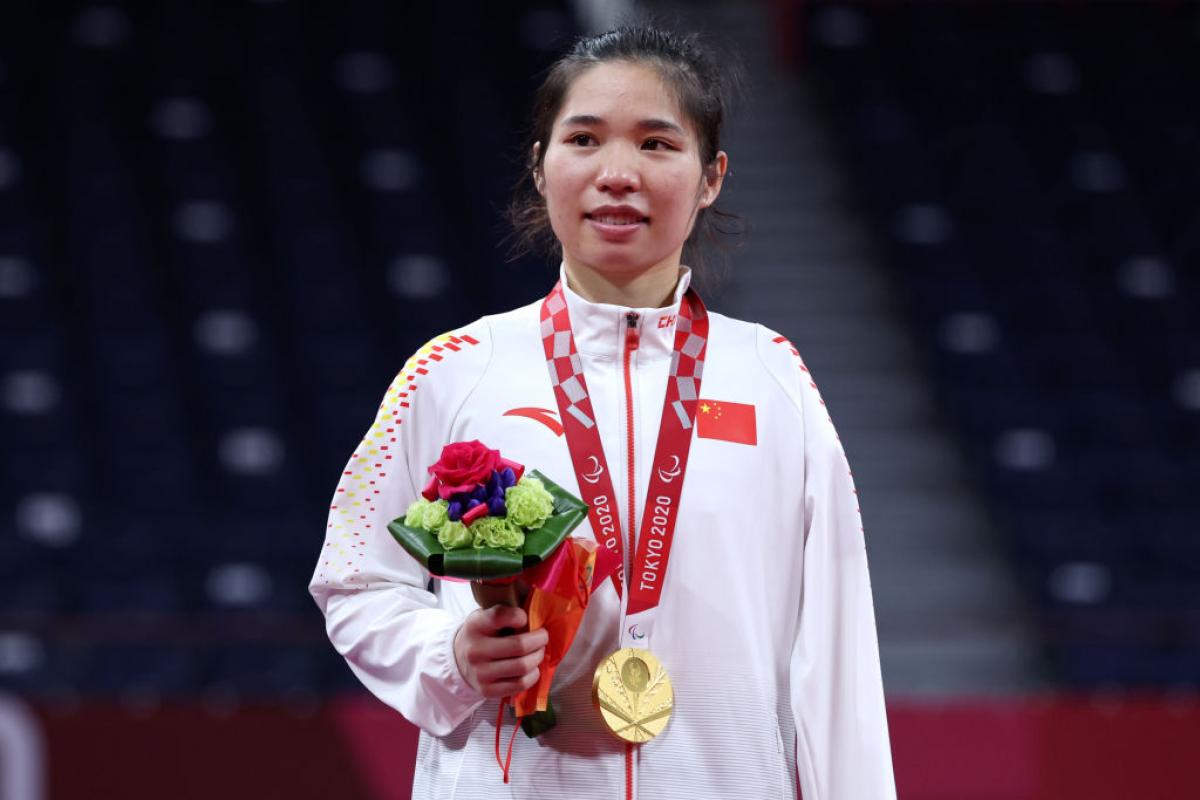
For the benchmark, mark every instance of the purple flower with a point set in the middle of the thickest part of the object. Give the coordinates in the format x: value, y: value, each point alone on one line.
x: 496, y: 507
x: 454, y: 510
x: 507, y: 478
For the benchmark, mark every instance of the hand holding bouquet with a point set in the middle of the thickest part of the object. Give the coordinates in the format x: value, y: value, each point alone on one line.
x: 481, y: 518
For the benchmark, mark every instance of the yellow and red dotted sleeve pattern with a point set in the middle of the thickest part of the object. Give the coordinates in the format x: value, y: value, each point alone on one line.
x: 807, y: 377
x: 367, y: 496
x: 811, y: 386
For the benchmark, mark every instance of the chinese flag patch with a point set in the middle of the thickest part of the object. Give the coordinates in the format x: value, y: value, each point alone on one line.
x: 729, y: 422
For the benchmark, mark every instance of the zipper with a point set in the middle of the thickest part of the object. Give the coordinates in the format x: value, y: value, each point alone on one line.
x: 631, y: 344
x: 629, y: 771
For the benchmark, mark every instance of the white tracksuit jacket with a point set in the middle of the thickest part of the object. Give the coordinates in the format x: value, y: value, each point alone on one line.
x: 766, y: 624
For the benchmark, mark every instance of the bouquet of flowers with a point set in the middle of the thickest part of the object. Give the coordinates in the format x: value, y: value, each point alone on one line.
x: 482, y: 518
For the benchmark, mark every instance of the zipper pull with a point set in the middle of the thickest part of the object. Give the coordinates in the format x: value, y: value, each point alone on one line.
x: 631, y: 331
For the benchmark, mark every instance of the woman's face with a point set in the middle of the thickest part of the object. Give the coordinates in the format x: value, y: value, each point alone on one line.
x: 622, y: 177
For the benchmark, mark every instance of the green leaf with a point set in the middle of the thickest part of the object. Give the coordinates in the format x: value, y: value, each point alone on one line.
x: 539, y: 722
x: 569, y: 511
x: 420, y: 543
x: 486, y: 562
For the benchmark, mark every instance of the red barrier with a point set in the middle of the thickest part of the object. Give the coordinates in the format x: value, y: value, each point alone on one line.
x: 1053, y: 748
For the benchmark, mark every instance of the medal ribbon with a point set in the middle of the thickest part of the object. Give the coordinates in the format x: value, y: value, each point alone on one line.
x: 657, y: 528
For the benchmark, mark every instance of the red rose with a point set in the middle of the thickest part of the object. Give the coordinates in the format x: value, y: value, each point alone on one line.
x: 463, y: 466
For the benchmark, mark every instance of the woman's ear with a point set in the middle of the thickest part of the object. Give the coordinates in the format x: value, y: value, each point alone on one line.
x: 714, y: 178
x: 539, y: 180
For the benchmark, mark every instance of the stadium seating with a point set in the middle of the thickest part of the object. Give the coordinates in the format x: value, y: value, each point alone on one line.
x: 1033, y: 173
x: 221, y: 233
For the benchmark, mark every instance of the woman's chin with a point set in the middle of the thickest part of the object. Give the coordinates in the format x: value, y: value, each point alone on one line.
x: 619, y: 260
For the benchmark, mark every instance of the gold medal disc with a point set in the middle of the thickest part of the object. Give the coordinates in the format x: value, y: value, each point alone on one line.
x: 633, y: 694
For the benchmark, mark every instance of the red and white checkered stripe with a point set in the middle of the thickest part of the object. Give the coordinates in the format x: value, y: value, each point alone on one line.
x: 562, y: 359
x: 583, y: 437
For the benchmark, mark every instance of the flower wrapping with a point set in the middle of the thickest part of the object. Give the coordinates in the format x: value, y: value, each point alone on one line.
x: 558, y: 597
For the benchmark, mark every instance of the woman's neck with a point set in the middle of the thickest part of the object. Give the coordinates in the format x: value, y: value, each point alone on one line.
x: 650, y: 288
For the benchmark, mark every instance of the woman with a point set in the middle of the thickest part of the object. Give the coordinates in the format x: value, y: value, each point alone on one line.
x: 764, y: 620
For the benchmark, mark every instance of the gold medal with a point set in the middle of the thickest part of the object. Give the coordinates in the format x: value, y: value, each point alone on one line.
x: 633, y: 694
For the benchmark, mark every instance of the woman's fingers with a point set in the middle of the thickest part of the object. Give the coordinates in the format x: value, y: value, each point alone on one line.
x: 509, y: 688
x: 496, y: 648
x: 510, y: 668
x: 496, y: 664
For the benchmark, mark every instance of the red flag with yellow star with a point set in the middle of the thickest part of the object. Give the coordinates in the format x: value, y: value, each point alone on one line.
x: 729, y: 422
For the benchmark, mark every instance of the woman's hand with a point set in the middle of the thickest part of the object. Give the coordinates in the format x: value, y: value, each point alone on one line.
x: 495, y: 664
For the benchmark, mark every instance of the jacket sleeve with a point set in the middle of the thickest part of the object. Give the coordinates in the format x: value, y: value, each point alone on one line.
x: 379, y: 613
x: 843, y: 748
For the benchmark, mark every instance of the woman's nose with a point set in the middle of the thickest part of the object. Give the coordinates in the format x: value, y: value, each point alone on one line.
x: 618, y: 173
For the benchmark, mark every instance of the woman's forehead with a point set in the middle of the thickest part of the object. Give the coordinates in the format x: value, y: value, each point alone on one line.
x: 620, y: 93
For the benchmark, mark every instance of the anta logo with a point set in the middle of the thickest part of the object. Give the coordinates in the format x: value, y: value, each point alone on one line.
x: 543, y: 415
x: 667, y: 321
x: 671, y: 471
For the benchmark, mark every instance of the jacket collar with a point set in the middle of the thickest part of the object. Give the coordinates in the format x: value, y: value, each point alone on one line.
x: 599, y: 328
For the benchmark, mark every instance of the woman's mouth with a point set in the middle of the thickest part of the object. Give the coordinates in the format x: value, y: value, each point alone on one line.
x: 617, y: 219
x: 616, y: 227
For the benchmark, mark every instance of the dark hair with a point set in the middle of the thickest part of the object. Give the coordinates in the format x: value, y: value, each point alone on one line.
x: 688, y: 68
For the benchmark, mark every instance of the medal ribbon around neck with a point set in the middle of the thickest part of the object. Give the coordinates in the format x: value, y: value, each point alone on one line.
x: 668, y: 469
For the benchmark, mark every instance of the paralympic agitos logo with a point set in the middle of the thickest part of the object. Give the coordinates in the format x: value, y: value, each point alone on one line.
x: 597, y: 470
x: 670, y: 472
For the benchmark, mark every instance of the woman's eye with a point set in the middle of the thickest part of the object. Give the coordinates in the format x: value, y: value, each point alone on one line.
x: 654, y: 144
x: 581, y: 139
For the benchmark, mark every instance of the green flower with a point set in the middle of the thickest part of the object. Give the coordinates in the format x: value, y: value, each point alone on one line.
x: 529, y: 504
x: 415, y: 515
x: 453, y: 535
x: 434, y: 515
x: 424, y: 514
x: 497, y: 532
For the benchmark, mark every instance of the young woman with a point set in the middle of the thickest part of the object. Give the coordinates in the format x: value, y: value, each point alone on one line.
x: 704, y: 435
